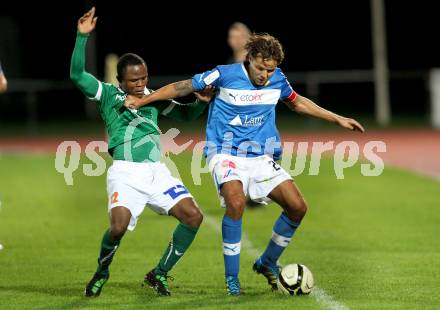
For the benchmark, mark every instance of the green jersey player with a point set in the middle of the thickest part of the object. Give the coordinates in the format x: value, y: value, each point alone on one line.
x: 136, y: 178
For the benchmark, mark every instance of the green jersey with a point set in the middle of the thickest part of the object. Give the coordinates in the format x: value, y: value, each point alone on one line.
x: 133, y: 134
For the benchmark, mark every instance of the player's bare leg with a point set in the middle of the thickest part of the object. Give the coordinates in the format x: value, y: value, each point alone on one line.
x: 190, y: 218
x: 187, y: 212
x: 288, y: 196
x: 119, y: 220
x: 235, y: 200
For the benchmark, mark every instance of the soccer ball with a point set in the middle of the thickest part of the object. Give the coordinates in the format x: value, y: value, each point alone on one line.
x: 295, y: 279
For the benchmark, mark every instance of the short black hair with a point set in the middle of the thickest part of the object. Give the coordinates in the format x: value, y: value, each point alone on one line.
x: 126, y: 60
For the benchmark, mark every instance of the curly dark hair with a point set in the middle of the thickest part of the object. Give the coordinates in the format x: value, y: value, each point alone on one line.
x: 266, y: 46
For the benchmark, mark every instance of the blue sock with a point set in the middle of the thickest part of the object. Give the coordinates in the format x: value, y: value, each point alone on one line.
x: 283, y: 231
x: 231, y: 233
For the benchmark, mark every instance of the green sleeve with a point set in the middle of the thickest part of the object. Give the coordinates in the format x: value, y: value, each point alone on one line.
x: 183, y: 112
x: 87, y: 83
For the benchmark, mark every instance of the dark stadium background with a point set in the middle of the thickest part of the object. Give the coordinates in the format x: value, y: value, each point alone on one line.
x: 36, y: 41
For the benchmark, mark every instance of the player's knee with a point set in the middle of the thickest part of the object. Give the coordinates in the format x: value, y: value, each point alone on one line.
x: 196, y: 218
x: 302, y: 208
x: 117, y: 231
x: 193, y: 218
x: 235, y: 208
x: 299, y: 209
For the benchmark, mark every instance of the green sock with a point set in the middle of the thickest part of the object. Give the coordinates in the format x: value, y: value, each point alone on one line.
x: 183, y: 236
x: 108, y: 250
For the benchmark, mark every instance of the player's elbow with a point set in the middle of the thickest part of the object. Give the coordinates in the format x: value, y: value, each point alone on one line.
x: 300, y: 107
x: 74, y: 78
x: 295, y: 105
x: 74, y: 75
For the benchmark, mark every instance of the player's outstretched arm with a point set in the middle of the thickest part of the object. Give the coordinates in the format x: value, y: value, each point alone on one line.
x: 306, y: 106
x: 206, y: 94
x: 170, y: 91
x: 86, y: 82
x: 189, y: 111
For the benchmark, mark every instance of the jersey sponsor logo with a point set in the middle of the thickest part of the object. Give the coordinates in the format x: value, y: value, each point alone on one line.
x: 121, y: 97
x: 220, y: 177
x: 253, y: 121
x: 229, y: 173
x: 228, y: 163
x: 248, y: 121
x: 249, y: 97
x: 210, y: 78
x: 246, y: 97
x: 176, y: 191
x: 236, y: 121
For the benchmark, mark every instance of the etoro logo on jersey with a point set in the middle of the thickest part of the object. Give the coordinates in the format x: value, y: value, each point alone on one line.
x: 249, y: 97
x: 252, y: 97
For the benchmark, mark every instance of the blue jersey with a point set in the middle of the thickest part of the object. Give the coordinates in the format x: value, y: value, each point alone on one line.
x: 241, y: 119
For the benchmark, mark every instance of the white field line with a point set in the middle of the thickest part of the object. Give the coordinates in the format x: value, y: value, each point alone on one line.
x: 324, y: 299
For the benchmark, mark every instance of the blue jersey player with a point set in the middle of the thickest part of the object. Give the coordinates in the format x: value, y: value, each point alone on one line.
x: 243, y: 142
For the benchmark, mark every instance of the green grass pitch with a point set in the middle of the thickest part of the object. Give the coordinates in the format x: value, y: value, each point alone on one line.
x: 371, y: 243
